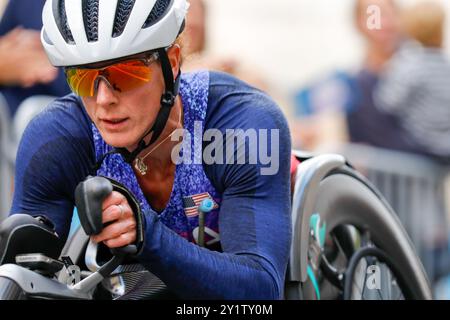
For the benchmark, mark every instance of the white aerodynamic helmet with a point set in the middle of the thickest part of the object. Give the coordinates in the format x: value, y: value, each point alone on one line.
x: 78, y: 32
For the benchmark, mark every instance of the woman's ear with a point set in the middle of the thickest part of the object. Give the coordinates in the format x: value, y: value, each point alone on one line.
x: 174, y: 54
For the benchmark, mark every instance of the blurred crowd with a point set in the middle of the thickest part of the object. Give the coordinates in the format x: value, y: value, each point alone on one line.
x: 397, y: 99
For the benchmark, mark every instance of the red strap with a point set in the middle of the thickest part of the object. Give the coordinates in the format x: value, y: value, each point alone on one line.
x: 294, y: 163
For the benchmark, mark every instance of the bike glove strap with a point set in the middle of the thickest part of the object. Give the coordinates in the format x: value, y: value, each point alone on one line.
x: 135, y: 207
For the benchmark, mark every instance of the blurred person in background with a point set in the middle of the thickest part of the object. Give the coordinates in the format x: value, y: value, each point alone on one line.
x: 414, y: 88
x: 194, y: 41
x: 24, y: 67
x: 365, y: 122
x: 381, y: 43
x: 197, y: 57
x: 342, y: 104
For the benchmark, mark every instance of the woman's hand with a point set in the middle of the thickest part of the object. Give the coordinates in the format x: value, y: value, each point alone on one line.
x: 121, y: 230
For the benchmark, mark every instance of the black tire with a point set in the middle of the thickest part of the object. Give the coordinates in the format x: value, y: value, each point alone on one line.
x: 9, y: 290
x: 346, y: 198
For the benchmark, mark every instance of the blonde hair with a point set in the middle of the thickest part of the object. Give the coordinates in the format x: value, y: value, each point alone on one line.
x: 425, y: 22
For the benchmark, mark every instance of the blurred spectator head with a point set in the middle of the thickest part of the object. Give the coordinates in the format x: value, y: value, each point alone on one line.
x: 195, y: 33
x: 386, y: 37
x: 425, y: 22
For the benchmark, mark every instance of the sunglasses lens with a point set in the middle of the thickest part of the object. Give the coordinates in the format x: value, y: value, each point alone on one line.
x: 122, y: 77
x: 129, y: 75
x: 81, y: 81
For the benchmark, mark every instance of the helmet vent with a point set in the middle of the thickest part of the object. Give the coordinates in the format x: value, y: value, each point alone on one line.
x: 158, y: 11
x: 90, y: 18
x: 123, y: 12
x: 59, y: 12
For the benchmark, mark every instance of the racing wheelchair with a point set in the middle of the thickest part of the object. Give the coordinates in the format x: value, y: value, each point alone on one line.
x: 347, y: 243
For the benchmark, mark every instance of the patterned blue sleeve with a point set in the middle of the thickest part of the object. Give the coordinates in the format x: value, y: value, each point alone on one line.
x: 254, y: 218
x: 55, y: 154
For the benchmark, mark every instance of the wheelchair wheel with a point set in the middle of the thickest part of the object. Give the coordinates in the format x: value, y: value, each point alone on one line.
x: 347, y: 241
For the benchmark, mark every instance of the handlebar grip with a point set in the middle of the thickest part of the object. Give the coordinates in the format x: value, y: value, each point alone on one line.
x: 127, y: 250
x: 89, y: 197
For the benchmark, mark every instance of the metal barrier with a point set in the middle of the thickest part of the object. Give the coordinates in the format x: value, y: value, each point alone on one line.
x: 415, y: 188
x: 6, y: 172
x: 27, y: 110
x: 11, y: 131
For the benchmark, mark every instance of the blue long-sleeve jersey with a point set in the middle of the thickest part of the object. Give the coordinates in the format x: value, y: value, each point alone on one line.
x: 252, y: 212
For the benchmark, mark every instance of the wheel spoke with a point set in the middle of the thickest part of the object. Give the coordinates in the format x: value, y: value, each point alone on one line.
x: 338, y: 245
x: 340, y: 253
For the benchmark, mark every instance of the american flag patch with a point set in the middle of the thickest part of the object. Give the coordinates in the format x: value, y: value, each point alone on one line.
x: 192, y: 203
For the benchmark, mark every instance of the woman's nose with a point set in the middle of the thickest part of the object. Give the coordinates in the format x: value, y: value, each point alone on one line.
x: 105, y: 94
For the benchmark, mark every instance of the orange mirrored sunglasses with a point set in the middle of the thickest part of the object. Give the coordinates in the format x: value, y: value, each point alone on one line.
x: 121, y: 76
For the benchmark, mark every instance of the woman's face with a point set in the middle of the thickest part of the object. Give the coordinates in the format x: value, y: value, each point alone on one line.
x: 124, y: 117
x: 388, y: 34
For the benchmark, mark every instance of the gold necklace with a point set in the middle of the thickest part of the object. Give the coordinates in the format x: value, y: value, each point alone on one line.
x: 139, y: 163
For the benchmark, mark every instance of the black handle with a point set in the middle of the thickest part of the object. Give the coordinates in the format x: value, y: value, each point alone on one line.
x: 119, y: 255
x: 89, y: 197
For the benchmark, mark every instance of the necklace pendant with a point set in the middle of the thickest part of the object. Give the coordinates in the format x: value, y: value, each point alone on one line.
x: 140, y: 166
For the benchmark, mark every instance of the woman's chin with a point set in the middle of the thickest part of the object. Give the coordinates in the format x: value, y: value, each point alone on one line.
x: 118, y: 141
